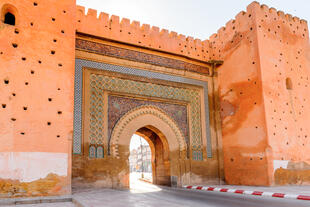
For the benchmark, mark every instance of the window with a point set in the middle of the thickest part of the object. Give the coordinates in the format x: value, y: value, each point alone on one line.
x: 289, y: 84
x: 9, y: 18
x: 9, y: 14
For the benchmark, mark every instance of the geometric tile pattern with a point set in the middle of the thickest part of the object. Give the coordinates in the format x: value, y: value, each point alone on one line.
x: 138, y: 56
x: 99, y: 152
x: 92, y: 151
x: 192, y: 96
x: 96, y: 114
x: 78, y: 87
x: 77, y: 124
x: 96, y: 127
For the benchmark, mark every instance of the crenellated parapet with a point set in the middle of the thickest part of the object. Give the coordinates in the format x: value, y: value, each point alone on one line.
x: 257, y: 19
x: 235, y: 31
x: 271, y: 15
x: 132, y: 32
x: 252, y: 20
x: 278, y: 25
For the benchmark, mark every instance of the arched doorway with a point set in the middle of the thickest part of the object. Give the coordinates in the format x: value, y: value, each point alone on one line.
x: 166, y: 140
x: 140, y: 161
x: 159, y: 149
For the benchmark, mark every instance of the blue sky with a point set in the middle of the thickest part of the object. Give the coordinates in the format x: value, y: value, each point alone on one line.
x: 196, y: 18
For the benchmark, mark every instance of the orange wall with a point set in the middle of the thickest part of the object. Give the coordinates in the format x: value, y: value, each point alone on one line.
x: 35, y: 75
x: 35, y: 43
x: 244, y: 130
x: 264, y: 125
x: 285, y: 53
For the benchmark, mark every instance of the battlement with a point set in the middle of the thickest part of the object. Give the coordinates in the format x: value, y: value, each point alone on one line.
x: 232, y: 33
x: 256, y: 17
x: 288, y: 17
x: 132, y: 32
x: 293, y: 25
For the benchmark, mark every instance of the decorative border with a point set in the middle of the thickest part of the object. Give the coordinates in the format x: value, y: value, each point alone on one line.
x: 96, y: 125
x: 135, y: 87
x: 95, y: 151
x: 79, y: 64
x: 142, y: 110
x: 136, y: 56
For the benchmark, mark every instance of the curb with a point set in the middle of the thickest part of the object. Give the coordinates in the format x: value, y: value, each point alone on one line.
x: 35, y: 200
x: 247, y: 192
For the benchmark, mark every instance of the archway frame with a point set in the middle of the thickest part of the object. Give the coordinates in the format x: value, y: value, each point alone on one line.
x: 132, y: 121
x: 160, y: 123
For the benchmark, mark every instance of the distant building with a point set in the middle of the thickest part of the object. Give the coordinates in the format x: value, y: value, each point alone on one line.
x: 138, y: 156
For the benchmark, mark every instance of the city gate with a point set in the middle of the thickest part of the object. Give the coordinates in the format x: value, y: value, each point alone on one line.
x: 120, y: 91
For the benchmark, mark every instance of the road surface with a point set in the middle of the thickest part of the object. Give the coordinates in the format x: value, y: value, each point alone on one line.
x: 147, y: 195
x: 143, y: 194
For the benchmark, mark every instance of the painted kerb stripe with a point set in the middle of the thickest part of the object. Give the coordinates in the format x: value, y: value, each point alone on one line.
x: 256, y: 193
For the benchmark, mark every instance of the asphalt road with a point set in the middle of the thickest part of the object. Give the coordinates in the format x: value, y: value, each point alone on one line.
x: 146, y: 195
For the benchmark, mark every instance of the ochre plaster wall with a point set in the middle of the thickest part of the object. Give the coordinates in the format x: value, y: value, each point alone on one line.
x: 36, y: 114
x: 242, y: 111
x: 264, y: 125
x: 285, y: 57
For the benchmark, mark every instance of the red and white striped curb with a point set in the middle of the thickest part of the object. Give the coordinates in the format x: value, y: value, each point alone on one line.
x: 248, y: 192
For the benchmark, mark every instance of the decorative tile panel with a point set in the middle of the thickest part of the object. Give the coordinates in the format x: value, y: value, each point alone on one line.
x: 96, y: 121
x: 100, y: 152
x: 92, y: 151
x: 132, y: 55
x: 77, y: 143
x: 192, y: 96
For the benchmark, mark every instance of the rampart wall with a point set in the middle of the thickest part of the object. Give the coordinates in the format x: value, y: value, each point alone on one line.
x: 285, y: 70
x: 36, y: 86
x: 263, y: 84
x: 242, y: 109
